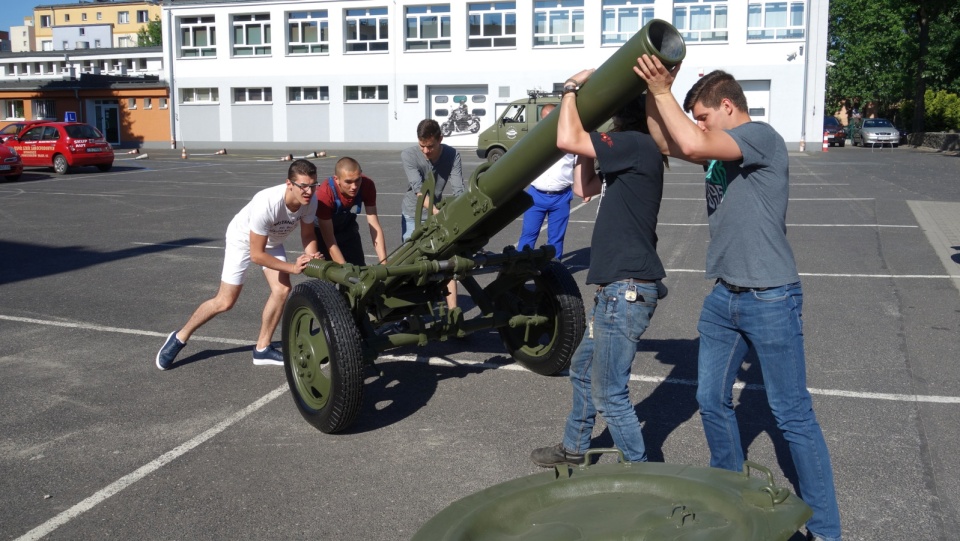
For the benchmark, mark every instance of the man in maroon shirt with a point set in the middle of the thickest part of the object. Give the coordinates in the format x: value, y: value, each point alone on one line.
x: 339, y: 200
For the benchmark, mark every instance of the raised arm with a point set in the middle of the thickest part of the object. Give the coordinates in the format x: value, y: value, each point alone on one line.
x: 571, y: 137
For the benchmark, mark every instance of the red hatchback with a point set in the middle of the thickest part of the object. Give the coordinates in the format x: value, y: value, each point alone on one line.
x: 62, y: 145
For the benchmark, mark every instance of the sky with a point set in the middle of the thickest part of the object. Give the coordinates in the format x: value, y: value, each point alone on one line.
x: 12, y: 12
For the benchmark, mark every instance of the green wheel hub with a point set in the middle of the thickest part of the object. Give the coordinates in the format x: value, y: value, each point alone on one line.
x: 309, y: 358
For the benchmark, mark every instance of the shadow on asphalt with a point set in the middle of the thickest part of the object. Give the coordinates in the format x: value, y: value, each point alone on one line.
x: 30, y: 261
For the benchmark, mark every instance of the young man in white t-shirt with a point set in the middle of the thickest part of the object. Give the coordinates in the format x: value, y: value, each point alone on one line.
x: 256, y: 235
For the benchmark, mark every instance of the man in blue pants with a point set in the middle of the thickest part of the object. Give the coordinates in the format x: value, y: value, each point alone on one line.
x: 551, y: 194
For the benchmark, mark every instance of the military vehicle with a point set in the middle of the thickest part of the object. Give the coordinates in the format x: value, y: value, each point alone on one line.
x: 336, y: 325
x: 517, y: 120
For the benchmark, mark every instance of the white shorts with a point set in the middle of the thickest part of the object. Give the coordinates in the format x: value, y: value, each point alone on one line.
x: 237, y: 258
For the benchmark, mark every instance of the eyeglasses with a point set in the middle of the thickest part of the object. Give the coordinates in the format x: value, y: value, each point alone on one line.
x: 305, y: 187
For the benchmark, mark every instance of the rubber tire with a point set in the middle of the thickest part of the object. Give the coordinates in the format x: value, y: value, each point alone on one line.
x: 322, y: 357
x: 104, y: 167
x: 842, y: 144
x: 475, y: 125
x: 445, y: 129
x: 60, y: 165
x: 495, y: 154
x: 555, y: 295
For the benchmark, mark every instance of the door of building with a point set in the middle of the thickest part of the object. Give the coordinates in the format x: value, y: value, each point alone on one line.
x: 108, y: 120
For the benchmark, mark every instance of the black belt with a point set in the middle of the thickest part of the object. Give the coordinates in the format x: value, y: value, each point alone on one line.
x: 739, y: 289
x: 558, y: 192
x: 629, y: 281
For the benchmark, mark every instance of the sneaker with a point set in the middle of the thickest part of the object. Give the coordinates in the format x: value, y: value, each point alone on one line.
x: 268, y: 355
x: 555, y: 455
x: 171, y: 348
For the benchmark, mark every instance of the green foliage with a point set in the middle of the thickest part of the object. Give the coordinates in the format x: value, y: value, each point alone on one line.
x: 891, y: 52
x: 942, y: 110
x: 151, y: 35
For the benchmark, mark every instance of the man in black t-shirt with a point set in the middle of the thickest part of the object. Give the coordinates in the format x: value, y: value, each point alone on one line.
x: 623, y: 264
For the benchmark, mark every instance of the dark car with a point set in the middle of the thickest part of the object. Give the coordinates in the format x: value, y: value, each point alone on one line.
x: 834, y: 133
x: 63, y: 145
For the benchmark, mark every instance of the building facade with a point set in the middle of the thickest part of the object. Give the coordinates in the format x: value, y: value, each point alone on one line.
x: 282, y: 73
x: 120, y: 91
x: 123, y: 19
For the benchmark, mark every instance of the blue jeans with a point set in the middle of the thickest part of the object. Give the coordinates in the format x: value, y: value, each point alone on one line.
x: 600, y: 370
x: 556, y: 209
x: 771, y: 323
x: 407, y: 225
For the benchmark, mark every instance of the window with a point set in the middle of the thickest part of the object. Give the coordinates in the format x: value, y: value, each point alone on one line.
x: 308, y: 32
x: 251, y: 34
x: 163, y: 103
x: 44, y: 109
x: 83, y: 31
x: 96, y: 43
x: 123, y: 17
x: 148, y: 103
x: 300, y: 94
x: 411, y: 93
x: 83, y: 16
x: 198, y: 37
x: 492, y: 24
x: 44, y: 21
x: 366, y: 30
x: 46, y: 45
x: 428, y: 27
x: 124, y: 41
x: 558, y: 22
x: 66, y: 17
x: 13, y: 108
x: 199, y: 95
x: 99, y: 16
x: 365, y: 93
x: 775, y: 20
x: 143, y: 16
x: 131, y: 103
x: 701, y: 20
x: 252, y: 95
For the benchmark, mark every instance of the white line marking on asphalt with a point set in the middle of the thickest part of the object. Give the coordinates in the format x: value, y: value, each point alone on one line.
x: 88, y: 327
x: 690, y: 382
x: 145, y: 470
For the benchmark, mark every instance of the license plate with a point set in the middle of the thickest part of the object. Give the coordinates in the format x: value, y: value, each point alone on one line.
x: 4, y: 167
x: 93, y: 150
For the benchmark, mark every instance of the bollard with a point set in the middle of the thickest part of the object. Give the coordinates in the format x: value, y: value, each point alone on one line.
x: 183, y: 153
x: 826, y: 141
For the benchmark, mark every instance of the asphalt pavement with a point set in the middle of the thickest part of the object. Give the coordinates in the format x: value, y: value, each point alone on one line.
x: 96, y: 443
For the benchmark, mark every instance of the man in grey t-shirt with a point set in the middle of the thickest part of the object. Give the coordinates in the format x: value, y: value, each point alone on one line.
x: 429, y: 156
x: 756, y: 301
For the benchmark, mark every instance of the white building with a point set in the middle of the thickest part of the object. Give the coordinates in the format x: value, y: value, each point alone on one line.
x: 363, y: 73
x: 21, y: 37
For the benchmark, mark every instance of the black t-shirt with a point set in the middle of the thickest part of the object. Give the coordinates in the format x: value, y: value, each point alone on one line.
x: 624, y: 241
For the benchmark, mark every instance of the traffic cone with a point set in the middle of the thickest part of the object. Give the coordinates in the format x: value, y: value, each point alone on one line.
x: 183, y: 153
x: 220, y: 152
x: 134, y: 151
x: 826, y: 141
x: 322, y: 154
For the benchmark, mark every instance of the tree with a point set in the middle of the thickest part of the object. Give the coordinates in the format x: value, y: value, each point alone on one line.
x: 151, y: 35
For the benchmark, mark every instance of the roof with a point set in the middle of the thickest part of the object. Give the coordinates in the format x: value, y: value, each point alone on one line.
x: 86, y: 81
x: 79, y: 53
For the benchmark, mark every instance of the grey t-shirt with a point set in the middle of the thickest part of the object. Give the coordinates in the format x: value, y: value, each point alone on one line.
x: 416, y: 166
x: 747, y: 210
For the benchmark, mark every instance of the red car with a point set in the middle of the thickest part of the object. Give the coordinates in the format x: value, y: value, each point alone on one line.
x: 10, y: 130
x: 62, y: 145
x: 11, y: 167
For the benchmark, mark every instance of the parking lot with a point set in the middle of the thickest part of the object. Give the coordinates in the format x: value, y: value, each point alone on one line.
x: 96, y: 443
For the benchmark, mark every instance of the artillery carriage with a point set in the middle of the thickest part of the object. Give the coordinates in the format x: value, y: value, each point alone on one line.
x: 340, y: 322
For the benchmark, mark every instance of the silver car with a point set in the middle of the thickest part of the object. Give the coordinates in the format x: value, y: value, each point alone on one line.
x: 876, y: 131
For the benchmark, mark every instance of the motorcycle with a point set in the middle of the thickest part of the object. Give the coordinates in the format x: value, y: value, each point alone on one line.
x: 460, y: 122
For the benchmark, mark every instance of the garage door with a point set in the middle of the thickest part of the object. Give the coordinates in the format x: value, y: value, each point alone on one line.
x: 445, y: 100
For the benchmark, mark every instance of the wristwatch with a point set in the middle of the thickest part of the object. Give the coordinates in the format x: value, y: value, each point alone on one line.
x: 570, y: 86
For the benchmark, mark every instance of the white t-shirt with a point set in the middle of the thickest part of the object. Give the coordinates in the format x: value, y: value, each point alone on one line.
x: 267, y: 214
x: 558, y: 177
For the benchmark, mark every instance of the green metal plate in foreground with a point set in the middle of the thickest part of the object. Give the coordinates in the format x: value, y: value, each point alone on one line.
x: 622, y: 501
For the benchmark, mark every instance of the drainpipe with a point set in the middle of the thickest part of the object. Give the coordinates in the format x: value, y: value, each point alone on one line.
x: 172, y: 98
x: 76, y: 94
x: 806, y: 66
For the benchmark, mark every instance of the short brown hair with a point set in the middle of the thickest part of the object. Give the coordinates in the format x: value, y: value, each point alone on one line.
x: 712, y: 89
x: 301, y: 167
x: 428, y: 129
x: 346, y: 163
